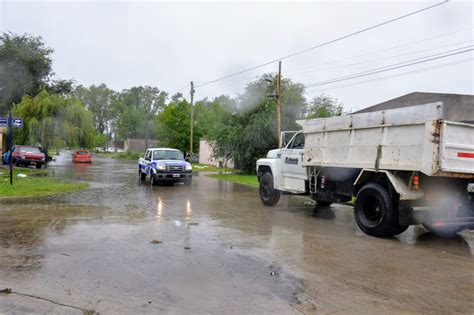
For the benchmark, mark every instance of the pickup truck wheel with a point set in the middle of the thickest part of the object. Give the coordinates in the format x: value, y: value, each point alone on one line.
x: 153, y: 180
x: 38, y: 165
x: 141, y: 175
x: 376, y: 213
x: 268, y: 194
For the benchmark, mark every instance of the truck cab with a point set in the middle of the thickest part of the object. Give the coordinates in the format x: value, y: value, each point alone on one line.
x: 283, y: 170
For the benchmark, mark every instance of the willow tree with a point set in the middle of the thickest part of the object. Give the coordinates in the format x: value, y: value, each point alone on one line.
x: 52, y: 120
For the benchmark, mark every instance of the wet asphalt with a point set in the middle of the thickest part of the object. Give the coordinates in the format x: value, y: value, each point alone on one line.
x: 125, y: 247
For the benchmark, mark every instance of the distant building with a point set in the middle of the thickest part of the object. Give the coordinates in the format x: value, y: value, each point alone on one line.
x: 206, y: 155
x: 457, y: 107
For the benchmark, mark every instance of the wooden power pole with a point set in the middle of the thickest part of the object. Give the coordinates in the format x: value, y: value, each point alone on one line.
x: 191, y: 124
x: 278, y: 104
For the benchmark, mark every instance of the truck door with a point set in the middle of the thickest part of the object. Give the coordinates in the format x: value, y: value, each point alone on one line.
x: 294, y: 174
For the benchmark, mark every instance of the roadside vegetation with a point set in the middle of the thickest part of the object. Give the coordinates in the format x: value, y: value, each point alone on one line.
x: 36, y: 183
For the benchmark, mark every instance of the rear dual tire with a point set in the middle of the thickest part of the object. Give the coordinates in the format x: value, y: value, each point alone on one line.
x: 376, y: 212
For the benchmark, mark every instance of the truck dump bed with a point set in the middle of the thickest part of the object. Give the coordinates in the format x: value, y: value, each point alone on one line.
x: 416, y: 138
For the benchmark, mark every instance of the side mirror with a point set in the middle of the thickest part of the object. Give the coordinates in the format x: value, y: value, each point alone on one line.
x: 148, y: 159
x: 186, y: 158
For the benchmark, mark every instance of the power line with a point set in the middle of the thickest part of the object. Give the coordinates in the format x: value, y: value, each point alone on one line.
x: 181, y: 90
x: 383, y: 69
x: 398, y: 63
x: 385, y: 49
x: 326, y: 43
x: 393, y: 75
x: 356, y: 63
x: 379, y: 59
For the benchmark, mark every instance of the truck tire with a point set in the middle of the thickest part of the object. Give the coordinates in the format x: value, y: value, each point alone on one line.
x: 268, y: 194
x: 324, y: 203
x: 376, y: 213
x: 153, y: 181
x: 38, y: 165
x: 141, y: 175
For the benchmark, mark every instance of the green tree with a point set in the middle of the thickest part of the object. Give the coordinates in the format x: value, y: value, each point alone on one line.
x: 25, y: 67
x: 53, y: 120
x: 145, y: 101
x: 100, y: 141
x: 100, y: 101
x: 249, y: 132
x: 173, y: 126
x: 323, y: 106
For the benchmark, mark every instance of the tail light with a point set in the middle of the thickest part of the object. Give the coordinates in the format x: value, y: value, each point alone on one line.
x: 323, y: 182
x: 416, y: 182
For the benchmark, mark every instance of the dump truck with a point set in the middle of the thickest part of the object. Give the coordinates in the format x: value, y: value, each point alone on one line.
x: 399, y: 167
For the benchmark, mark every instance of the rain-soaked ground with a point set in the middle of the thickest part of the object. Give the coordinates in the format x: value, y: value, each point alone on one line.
x: 122, y: 246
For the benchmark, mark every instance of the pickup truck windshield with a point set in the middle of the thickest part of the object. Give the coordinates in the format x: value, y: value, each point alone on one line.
x: 167, y: 155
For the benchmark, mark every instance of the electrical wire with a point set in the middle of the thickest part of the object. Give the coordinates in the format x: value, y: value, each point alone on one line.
x: 384, y: 49
x: 379, y: 59
x: 180, y: 90
x: 384, y: 69
x: 392, y: 76
x: 356, y: 63
x: 326, y: 43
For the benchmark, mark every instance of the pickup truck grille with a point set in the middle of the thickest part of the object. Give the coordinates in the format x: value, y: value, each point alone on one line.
x: 175, y: 168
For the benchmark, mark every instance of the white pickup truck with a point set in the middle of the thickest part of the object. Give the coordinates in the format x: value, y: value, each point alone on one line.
x: 405, y: 166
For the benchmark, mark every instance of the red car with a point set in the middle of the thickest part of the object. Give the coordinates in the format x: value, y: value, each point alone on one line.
x: 25, y: 155
x: 82, y: 156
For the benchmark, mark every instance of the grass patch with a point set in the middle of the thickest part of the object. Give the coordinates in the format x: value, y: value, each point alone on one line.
x: 37, y: 183
x: 250, y: 180
x: 210, y: 168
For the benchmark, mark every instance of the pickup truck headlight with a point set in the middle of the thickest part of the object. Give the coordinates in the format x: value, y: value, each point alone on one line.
x: 161, y: 167
x: 189, y: 167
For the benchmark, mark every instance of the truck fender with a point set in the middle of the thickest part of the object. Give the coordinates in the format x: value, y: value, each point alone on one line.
x: 272, y: 166
x: 398, y: 184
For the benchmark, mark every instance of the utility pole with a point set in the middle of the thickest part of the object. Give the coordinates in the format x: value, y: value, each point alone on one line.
x: 278, y: 104
x: 191, y: 124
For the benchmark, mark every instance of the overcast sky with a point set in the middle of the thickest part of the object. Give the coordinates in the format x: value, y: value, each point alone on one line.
x: 168, y: 44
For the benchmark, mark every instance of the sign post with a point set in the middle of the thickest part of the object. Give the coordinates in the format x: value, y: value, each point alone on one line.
x: 11, y: 123
x: 10, y: 128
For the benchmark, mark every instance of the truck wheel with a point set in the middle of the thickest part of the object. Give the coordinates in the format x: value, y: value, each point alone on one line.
x: 153, y: 180
x: 375, y: 212
x: 268, y: 194
x: 38, y: 165
x: 324, y: 203
x: 141, y: 175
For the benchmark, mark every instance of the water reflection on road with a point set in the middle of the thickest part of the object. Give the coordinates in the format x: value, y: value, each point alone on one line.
x: 216, y: 249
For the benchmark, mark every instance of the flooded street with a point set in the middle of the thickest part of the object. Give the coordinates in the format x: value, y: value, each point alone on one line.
x: 123, y: 246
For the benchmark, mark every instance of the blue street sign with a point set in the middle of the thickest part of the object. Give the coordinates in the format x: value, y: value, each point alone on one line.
x: 16, y: 122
